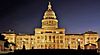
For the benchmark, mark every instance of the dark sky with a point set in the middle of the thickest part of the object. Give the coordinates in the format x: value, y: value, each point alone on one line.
x: 76, y: 16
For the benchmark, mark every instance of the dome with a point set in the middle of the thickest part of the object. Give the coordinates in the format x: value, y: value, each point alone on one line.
x: 49, y: 13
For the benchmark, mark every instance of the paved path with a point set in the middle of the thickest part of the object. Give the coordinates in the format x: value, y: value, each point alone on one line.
x: 5, y: 52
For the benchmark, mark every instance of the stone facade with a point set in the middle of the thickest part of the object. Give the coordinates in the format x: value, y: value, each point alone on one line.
x: 50, y: 36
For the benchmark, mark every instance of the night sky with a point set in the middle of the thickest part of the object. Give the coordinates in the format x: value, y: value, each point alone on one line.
x: 76, y: 16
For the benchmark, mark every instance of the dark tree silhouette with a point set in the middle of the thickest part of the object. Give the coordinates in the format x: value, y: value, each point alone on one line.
x: 6, y: 44
x: 23, y: 47
x: 2, y: 37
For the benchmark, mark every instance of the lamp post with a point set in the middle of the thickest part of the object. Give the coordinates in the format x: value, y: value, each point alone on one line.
x: 68, y: 45
x: 23, y: 45
x: 32, y: 45
x: 10, y: 47
x: 79, y: 44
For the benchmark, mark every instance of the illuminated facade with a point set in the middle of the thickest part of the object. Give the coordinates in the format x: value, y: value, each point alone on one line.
x: 50, y: 36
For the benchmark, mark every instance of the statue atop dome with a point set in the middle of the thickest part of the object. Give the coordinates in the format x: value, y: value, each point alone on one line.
x: 49, y: 13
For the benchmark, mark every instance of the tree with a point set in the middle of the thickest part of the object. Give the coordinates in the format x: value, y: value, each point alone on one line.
x: 6, y: 44
x: 2, y: 37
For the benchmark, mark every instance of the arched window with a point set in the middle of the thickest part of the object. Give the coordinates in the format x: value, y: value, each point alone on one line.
x: 38, y: 37
x: 41, y: 32
x: 45, y: 37
x: 53, y: 37
x: 41, y: 46
x: 49, y: 38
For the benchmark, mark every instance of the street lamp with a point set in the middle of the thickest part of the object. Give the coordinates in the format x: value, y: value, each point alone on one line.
x: 10, y: 47
x: 68, y: 45
x: 23, y: 45
x: 78, y: 43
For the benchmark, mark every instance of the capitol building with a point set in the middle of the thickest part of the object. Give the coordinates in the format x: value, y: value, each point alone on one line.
x: 50, y: 36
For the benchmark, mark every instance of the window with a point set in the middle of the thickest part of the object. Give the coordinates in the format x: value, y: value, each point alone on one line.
x: 11, y: 38
x: 88, y: 38
x: 50, y: 21
x: 73, y: 42
x: 45, y: 37
x: 67, y: 39
x: 61, y: 46
x: 81, y: 42
x: 41, y: 46
x: 26, y: 42
x: 38, y: 37
x: 54, y: 41
x: 41, y: 32
x: 53, y: 37
x: 45, y: 46
x: 48, y: 32
x: 61, y: 32
x: 20, y: 38
x: 54, y: 46
x: 50, y: 46
x: 73, y: 38
x: 95, y: 38
x: 57, y: 37
x: 49, y: 38
x: 31, y: 38
x: 91, y: 38
x: 54, y: 23
x: 54, y: 31
x: 81, y: 38
x: 61, y: 37
x: 58, y: 46
x: 8, y: 38
x: 42, y: 37
x: 57, y: 41
x: 61, y: 41
x: 38, y: 46
x: 45, y: 22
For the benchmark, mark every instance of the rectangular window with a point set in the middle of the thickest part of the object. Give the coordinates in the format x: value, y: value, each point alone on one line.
x: 61, y: 37
x: 61, y: 41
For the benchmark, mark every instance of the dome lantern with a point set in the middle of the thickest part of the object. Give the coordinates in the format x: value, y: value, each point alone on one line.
x: 49, y: 14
